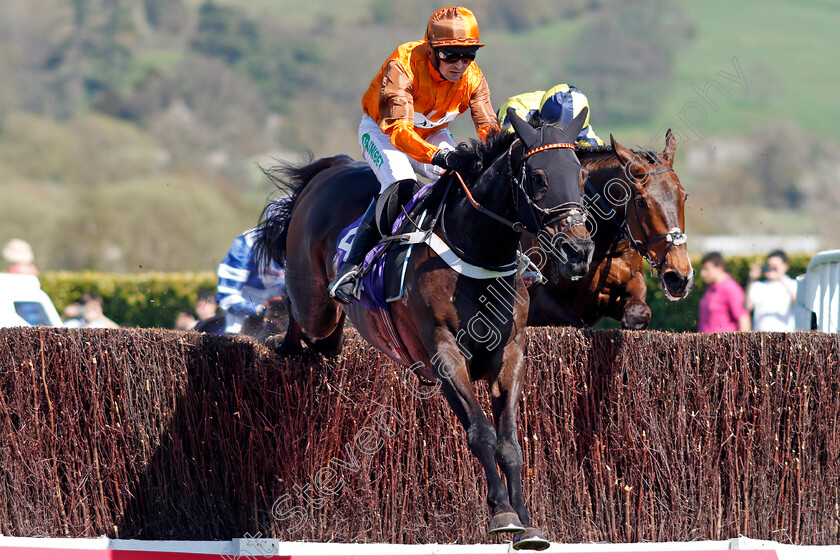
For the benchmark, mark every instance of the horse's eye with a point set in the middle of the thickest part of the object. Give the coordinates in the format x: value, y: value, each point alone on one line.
x: 641, y: 202
x: 539, y: 180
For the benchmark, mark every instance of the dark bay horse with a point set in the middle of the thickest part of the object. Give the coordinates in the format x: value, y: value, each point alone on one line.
x: 453, y: 327
x: 636, y: 208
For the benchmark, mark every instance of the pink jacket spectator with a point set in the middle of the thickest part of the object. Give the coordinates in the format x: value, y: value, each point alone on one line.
x: 721, y: 307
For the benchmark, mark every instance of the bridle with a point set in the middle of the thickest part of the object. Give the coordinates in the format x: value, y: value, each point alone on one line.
x: 673, y: 238
x: 573, y: 212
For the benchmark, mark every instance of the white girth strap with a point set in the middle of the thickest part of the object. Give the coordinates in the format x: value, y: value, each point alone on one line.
x: 440, y: 247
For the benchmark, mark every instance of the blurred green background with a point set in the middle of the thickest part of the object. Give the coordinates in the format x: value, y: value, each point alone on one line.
x: 131, y: 131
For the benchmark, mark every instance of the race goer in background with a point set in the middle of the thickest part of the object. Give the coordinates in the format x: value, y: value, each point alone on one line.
x: 560, y: 104
x: 71, y: 316
x: 722, y: 306
x: 87, y: 312
x: 419, y: 90
x: 185, y: 321
x: 772, y: 299
x: 243, y: 286
x: 205, y: 310
x: 205, y: 305
x: 19, y: 254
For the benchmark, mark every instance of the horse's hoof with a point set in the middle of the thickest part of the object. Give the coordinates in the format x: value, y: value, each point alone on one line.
x: 275, y: 342
x: 531, y: 539
x: 506, y: 522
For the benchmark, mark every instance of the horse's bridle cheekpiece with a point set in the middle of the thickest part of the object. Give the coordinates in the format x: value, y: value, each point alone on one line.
x: 573, y: 211
x: 675, y: 236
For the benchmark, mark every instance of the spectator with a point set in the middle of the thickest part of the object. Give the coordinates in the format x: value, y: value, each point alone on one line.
x: 722, y: 306
x: 771, y: 300
x: 205, y: 305
x: 93, y: 315
x: 185, y: 321
x: 206, y: 311
x: 243, y: 286
x: 72, y: 316
x: 19, y: 253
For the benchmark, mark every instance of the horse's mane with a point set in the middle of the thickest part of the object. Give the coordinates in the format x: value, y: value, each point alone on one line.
x: 495, y: 145
x: 605, y: 156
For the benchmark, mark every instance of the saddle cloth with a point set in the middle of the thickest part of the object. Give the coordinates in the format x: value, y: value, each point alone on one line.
x: 384, y: 281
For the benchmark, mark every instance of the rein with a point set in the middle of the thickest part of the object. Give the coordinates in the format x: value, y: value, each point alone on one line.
x: 515, y: 226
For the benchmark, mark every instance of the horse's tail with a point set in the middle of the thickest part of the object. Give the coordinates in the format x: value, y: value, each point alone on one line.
x: 290, y: 180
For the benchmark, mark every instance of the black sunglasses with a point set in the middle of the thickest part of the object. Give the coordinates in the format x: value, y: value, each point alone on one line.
x: 450, y: 57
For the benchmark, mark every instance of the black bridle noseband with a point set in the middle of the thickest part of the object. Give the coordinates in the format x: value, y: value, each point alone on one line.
x: 571, y: 211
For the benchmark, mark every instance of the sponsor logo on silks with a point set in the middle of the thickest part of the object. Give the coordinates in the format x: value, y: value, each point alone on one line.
x: 372, y: 150
x: 422, y: 121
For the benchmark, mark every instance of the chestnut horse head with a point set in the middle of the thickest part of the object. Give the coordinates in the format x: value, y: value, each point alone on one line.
x: 654, y: 214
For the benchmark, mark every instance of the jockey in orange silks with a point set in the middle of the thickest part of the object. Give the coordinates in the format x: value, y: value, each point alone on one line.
x: 418, y: 91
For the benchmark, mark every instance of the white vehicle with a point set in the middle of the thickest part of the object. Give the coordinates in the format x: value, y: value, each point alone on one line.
x: 23, y: 303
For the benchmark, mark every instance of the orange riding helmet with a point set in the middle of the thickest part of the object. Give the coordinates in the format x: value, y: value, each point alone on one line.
x: 454, y: 26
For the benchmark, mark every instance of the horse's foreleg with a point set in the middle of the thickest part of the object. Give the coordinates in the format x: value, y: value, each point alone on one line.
x: 505, y: 397
x: 481, y: 435
x: 635, y: 313
x: 505, y: 392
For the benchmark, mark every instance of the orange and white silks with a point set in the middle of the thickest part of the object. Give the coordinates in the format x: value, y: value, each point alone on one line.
x: 410, y: 100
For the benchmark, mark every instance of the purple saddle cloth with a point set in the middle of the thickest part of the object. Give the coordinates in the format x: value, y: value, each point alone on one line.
x: 372, y: 293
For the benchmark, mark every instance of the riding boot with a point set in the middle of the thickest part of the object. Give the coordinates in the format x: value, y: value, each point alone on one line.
x: 343, y: 288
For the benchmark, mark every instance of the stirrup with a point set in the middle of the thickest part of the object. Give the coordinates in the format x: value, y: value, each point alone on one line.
x: 348, y: 279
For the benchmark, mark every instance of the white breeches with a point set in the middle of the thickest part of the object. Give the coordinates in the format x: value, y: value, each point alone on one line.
x: 392, y: 165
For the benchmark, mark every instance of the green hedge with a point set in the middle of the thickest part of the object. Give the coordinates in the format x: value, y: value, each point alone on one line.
x: 142, y: 300
x: 154, y: 299
x: 681, y: 316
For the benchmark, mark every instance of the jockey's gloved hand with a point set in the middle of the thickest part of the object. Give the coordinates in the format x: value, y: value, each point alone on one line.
x: 452, y: 159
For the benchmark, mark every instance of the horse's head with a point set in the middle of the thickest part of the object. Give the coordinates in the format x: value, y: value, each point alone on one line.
x: 655, y: 214
x: 548, y: 181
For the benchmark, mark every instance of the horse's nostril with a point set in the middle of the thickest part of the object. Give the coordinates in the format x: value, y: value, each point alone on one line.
x: 674, y: 280
x: 572, y: 254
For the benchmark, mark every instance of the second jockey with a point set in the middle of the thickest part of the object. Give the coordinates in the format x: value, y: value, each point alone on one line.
x: 560, y: 104
x: 418, y: 91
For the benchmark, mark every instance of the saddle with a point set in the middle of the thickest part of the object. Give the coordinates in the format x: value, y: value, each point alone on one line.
x: 385, y: 265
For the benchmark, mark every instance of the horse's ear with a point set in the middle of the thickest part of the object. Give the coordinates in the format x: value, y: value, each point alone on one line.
x: 624, y: 155
x: 527, y: 133
x: 571, y: 130
x: 670, y: 148
x: 628, y: 158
